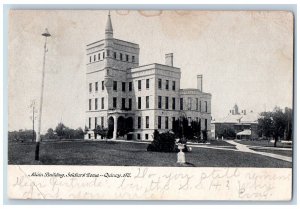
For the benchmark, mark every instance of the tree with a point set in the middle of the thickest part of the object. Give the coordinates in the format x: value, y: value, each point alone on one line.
x: 60, y: 130
x: 78, y: 133
x: 21, y: 135
x: 185, y: 131
x: 100, y: 130
x: 276, y: 124
x: 50, y: 134
x: 226, y: 130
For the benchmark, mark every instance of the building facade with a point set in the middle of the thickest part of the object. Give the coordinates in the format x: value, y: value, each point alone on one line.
x: 122, y: 94
x: 241, y: 125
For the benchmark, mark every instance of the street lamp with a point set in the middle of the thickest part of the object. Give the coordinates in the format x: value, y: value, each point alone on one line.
x: 46, y: 34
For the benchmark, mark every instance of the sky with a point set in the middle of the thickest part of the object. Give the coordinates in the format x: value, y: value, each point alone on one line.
x: 246, y: 58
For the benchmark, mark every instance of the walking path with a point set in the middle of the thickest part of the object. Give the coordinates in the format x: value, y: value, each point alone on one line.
x: 244, y: 148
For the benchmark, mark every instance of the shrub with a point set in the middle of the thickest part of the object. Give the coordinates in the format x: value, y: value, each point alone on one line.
x: 164, y: 142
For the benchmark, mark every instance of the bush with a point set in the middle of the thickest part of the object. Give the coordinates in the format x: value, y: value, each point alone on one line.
x: 164, y: 142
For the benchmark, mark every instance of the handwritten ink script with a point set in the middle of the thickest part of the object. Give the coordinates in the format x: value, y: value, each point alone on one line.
x: 39, y: 182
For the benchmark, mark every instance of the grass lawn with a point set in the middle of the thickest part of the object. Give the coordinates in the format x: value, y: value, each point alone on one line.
x: 288, y: 153
x: 130, y: 154
x: 263, y: 143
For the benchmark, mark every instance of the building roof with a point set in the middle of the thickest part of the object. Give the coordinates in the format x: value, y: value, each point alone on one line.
x: 239, y: 118
x: 245, y: 132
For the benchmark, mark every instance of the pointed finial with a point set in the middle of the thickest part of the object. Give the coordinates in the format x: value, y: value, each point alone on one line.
x: 108, y: 28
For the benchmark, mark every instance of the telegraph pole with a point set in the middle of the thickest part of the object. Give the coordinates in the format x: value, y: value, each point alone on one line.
x: 33, y: 118
x: 46, y: 34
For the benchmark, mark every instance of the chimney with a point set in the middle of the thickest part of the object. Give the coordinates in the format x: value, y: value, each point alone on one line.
x: 169, y: 59
x: 245, y: 112
x: 199, y: 82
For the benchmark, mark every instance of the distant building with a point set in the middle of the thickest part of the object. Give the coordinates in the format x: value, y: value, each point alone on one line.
x: 121, y: 93
x: 236, y: 124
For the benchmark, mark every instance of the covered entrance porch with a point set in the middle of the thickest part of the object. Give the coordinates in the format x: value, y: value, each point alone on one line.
x: 120, y: 123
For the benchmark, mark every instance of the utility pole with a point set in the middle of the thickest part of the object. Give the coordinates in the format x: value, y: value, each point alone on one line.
x: 32, y: 105
x: 46, y: 34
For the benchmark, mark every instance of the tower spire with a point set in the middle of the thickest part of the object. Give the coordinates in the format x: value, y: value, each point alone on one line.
x: 108, y: 28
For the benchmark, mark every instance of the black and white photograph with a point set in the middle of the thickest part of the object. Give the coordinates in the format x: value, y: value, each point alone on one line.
x: 182, y: 90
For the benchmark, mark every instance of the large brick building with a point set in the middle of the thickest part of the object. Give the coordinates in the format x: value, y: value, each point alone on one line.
x: 122, y: 93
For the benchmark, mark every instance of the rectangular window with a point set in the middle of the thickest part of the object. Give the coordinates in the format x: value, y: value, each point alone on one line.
x: 96, y: 86
x: 133, y: 59
x: 90, y: 123
x: 200, y: 106
x: 147, y: 101
x: 102, y: 85
x: 147, y: 83
x: 107, y: 52
x: 167, y: 123
x: 102, y: 103
x: 138, y: 136
x: 173, y: 121
x: 94, y: 57
x: 103, y: 55
x: 139, y: 122
x: 197, y: 101
x: 139, y: 102
x: 127, y: 57
x: 123, y: 86
x: 205, y: 124
x: 173, y: 103
x: 129, y: 103
x: 147, y: 121
x: 90, y: 87
x: 173, y: 85
x: 123, y: 103
x: 130, y: 86
x: 115, y: 86
x: 159, y: 83
x: 205, y: 106
x: 115, y: 55
x: 167, y: 84
x: 139, y: 84
x: 96, y: 104
x: 159, y: 102
x: 90, y: 104
x: 200, y: 124
x: 167, y: 103
x: 189, y: 103
x: 121, y: 56
x: 115, y: 102
x: 181, y: 103
x: 146, y: 136
x: 102, y: 121
x: 159, y: 122
x: 99, y: 56
x: 96, y: 122
x: 90, y: 59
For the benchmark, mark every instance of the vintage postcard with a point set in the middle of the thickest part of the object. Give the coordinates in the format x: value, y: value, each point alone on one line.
x: 150, y: 105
